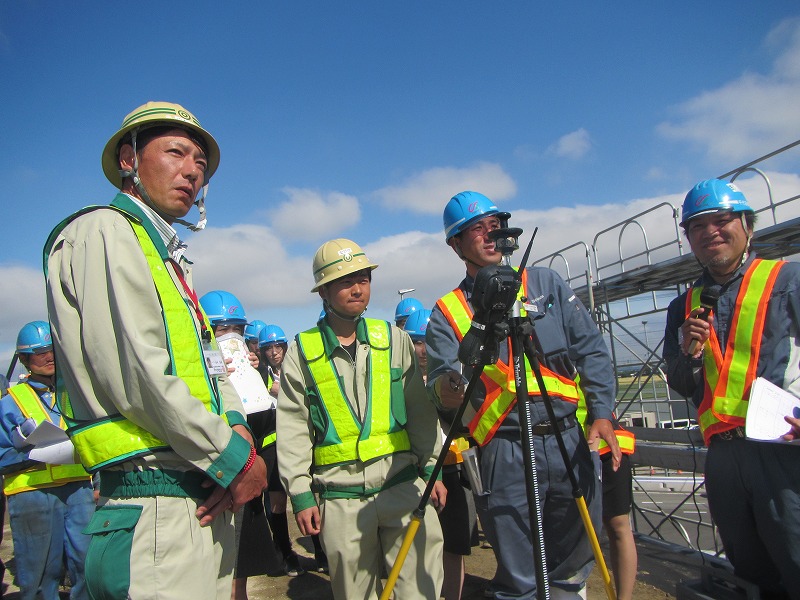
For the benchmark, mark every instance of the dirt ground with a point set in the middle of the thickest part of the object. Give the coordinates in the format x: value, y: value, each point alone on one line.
x: 659, y: 572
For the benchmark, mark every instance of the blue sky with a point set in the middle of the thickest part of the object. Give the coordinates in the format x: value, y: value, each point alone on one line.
x: 361, y: 119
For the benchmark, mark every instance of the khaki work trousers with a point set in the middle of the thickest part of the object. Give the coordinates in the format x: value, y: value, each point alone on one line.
x: 171, y: 556
x: 362, y: 535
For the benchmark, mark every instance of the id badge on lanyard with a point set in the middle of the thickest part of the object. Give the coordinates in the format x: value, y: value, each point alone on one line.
x: 214, y: 362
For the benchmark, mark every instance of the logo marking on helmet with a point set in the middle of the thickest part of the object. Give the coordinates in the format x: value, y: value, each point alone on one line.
x: 232, y: 310
x: 701, y: 200
x: 184, y: 115
x: 472, y: 207
x: 346, y: 254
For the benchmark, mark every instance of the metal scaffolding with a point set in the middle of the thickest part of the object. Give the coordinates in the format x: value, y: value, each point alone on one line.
x: 626, y: 278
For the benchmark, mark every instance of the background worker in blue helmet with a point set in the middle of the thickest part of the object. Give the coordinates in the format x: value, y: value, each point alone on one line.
x: 251, y: 339
x: 251, y: 332
x: 753, y: 487
x: 416, y: 324
x: 458, y: 519
x: 357, y: 437
x: 49, y: 505
x: 168, y: 433
x: 569, y: 345
x: 227, y: 315
x: 404, y: 309
x: 272, y: 346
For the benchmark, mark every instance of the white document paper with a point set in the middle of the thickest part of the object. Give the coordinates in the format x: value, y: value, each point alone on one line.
x: 51, y: 445
x: 245, y: 378
x: 61, y: 453
x: 45, y: 434
x: 767, y: 407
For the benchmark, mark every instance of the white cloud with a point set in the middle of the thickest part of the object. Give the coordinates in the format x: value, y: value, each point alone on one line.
x: 428, y: 191
x: 273, y: 280
x: 332, y: 212
x: 748, y: 116
x: 251, y: 262
x: 784, y: 40
x: 413, y: 259
x: 573, y: 145
x: 22, y: 297
x: 655, y: 174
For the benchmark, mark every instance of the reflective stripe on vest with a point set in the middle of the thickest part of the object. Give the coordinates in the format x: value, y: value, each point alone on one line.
x: 728, y: 378
x: 625, y: 439
x: 345, y: 439
x: 269, y: 440
x: 42, y: 475
x: 498, y: 379
x: 113, y: 439
x: 457, y: 446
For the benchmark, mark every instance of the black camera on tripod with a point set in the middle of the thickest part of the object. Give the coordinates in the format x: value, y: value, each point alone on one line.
x: 495, y: 290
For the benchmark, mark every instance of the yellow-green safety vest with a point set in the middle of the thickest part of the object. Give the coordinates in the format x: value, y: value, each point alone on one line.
x: 114, y: 439
x: 42, y: 475
x: 341, y: 437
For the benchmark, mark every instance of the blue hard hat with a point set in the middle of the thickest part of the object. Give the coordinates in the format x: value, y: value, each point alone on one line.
x: 271, y: 334
x: 253, y: 329
x: 223, y: 308
x: 34, y: 338
x: 713, y: 196
x: 417, y: 324
x: 406, y: 306
x: 465, y: 208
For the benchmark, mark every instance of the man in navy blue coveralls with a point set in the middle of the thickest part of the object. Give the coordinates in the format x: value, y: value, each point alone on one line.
x: 568, y: 344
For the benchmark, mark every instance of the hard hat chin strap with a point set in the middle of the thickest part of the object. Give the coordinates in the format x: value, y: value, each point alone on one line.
x: 457, y: 248
x: 200, y: 202
x: 332, y: 311
x: 749, y: 239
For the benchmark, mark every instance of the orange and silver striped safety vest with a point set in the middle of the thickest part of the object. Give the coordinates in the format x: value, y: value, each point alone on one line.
x: 728, y: 378
x: 501, y: 389
x: 625, y: 439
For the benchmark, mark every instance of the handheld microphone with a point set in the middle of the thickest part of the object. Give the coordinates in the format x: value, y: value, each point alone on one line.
x: 708, y: 302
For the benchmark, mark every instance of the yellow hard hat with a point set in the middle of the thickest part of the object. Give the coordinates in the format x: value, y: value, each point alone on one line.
x: 154, y: 114
x: 336, y: 259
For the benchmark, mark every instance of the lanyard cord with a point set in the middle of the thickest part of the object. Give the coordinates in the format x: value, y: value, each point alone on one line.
x: 193, y: 298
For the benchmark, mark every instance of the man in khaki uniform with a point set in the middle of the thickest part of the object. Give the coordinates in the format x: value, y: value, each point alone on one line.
x: 357, y: 437
x: 167, y: 433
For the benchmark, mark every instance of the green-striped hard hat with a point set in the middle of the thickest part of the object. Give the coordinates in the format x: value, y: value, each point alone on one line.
x: 156, y: 114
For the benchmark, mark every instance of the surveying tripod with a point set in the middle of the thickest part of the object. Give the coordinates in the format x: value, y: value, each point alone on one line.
x: 498, y: 315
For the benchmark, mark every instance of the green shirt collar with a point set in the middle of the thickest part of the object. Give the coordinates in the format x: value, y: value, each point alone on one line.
x: 329, y: 339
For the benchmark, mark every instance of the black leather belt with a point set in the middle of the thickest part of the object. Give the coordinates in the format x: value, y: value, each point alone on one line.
x: 732, y: 434
x: 546, y: 427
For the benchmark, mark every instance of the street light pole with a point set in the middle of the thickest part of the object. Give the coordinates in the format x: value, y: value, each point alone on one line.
x: 646, y: 343
x: 651, y: 374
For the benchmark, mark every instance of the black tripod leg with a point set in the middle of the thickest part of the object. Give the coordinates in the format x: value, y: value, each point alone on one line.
x: 577, y: 493
x: 419, y: 513
x: 529, y: 461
